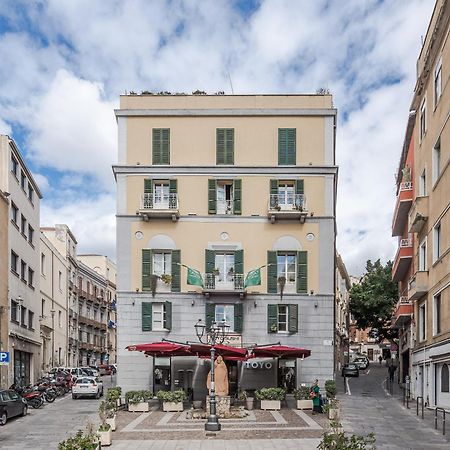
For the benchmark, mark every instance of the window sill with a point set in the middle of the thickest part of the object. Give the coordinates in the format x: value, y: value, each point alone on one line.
x: 15, y: 273
x: 31, y: 287
x: 441, y: 257
x: 31, y: 245
x: 15, y: 225
x: 15, y: 321
x: 438, y: 179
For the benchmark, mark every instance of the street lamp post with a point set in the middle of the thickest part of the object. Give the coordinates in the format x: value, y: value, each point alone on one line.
x: 216, y: 335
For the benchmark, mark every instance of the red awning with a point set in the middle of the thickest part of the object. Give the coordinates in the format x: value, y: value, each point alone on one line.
x: 225, y: 351
x: 280, y: 351
x: 162, y: 349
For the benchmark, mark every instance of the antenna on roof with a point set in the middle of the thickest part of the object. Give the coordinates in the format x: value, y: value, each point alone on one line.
x: 231, y: 83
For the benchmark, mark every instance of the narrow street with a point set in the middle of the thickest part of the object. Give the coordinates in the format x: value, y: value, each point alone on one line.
x: 45, y: 427
x: 368, y: 408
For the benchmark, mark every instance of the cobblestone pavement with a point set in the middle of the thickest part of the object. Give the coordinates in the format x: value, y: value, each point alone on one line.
x: 369, y: 408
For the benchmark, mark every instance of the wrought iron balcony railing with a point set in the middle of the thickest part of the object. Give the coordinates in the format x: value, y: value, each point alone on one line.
x: 287, y: 202
x: 159, y: 202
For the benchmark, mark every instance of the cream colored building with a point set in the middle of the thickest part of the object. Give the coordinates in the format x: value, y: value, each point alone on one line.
x: 107, y: 269
x: 4, y: 271
x: 53, y: 317
x: 429, y: 217
x: 342, y: 314
x: 23, y: 259
x: 225, y: 185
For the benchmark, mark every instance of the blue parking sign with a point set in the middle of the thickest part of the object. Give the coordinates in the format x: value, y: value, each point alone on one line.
x: 4, y: 358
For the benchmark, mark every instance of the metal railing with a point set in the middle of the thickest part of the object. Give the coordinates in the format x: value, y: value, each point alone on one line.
x: 234, y: 282
x: 436, y: 418
x: 406, y: 186
x: 408, y: 242
x: 288, y: 202
x: 159, y: 202
x: 224, y: 207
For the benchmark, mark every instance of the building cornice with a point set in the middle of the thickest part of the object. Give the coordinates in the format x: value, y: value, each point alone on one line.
x: 225, y: 218
x: 226, y: 112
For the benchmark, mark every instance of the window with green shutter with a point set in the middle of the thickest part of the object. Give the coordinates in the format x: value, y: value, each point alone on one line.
x: 287, y: 141
x: 224, y: 146
x: 282, y: 318
x: 272, y: 318
x: 176, y: 271
x: 146, y: 316
x: 168, y: 315
x: 272, y: 272
x: 238, y: 317
x: 212, y: 196
x: 148, y: 186
x: 161, y: 146
x: 146, y: 269
x: 237, y: 197
x: 210, y: 315
x: 302, y: 272
x: 293, y: 318
x: 239, y: 262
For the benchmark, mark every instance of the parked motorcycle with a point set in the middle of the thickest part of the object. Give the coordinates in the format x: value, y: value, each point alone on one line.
x: 34, y: 398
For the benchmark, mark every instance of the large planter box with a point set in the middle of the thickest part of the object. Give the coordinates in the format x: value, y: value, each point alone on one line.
x: 304, y: 404
x: 249, y: 403
x: 138, y: 407
x: 112, y: 423
x: 172, y: 406
x: 270, y: 404
x: 105, y: 437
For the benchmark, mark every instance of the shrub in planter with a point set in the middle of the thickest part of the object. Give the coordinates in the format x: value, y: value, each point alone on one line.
x: 80, y: 441
x: 270, y: 397
x: 138, y: 400
x: 303, y: 397
x: 330, y: 388
x: 172, y: 400
x: 339, y: 441
x: 104, y: 434
x: 114, y: 394
x: 246, y: 397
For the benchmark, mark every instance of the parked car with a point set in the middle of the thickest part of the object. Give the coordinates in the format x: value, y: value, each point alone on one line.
x: 114, y: 368
x: 11, y: 405
x: 105, y: 369
x: 362, y: 363
x: 93, y: 371
x: 87, y: 387
x: 350, y: 370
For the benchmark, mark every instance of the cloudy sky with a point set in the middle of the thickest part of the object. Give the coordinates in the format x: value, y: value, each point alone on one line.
x: 64, y: 63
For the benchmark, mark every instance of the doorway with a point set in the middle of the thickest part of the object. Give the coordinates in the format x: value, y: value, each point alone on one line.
x: 232, y: 378
x: 161, y: 374
x: 287, y: 370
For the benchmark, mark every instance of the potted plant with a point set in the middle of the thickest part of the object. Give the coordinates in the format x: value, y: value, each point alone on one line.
x: 303, y: 397
x: 216, y: 272
x: 104, y: 430
x: 113, y: 394
x: 81, y: 441
x: 244, y: 396
x: 167, y: 279
x: 138, y: 400
x: 172, y: 400
x: 111, y: 408
x: 270, y: 397
x: 332, y: 408
x: 330, y: 388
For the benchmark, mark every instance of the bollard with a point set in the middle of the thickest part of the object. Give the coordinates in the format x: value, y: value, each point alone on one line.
x: 436, y: 418
x: 345, y: 384
x: 417, y: 406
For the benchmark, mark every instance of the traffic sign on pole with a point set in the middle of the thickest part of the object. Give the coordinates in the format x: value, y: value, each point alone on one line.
x: 4, y: 358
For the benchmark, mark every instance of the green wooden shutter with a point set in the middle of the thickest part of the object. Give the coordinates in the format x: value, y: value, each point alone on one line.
x: 229, y: 146
x: 168, y: 315
x: 176, y: 271
x: 299, y: 187
x: 291, y: 146
x: 146, y: 316
x: 220, y: 146
x: 293, y: 318
x: 210, y: 315
x: 302, y: 272
x: 172, y: 186
x: 237, y: 197
x: 273, y: 187
x: 271, y: 272
x: 165, y: 146
x: 272, y: 318
x: 156, y: 146
x: 148, y: 186
x: 238, y: 317
x: 161, y: 146
x: 239, y: 262
x: 146, y: 268
x: 282, y: 144
x: 210, y: 260
x: 211, y: 196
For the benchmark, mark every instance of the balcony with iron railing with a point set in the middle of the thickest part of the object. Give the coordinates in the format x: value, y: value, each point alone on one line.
x: 218, y: 284
x: 404, y: 201
x: 287, y: 206
x: 403, y: 312
x: 159, y: 206
x: 418, y: 214
x: 403, y: 258
x: 418, y: 285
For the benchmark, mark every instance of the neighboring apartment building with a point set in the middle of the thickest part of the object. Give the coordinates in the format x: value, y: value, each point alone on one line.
x: 429, y: 217
x: 53, y: 314
x: 65, y: 243
x: 342, y: 314
x: 4, y: 273
x: 225, y: 185
x: 24, y: 259
x: 107, y: 269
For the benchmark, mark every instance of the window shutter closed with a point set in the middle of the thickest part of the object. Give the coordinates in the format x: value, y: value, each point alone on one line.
x: 210, y: 315
x: 238, y: 317
x: 172, y: 186
x: 239, y: 262
x: 220, y: 146
x: 293, y: 319
x: 176, y: 271
x: 210, y: 260
x: 161, y: 146
x: 302, y: 272
x: 224, y: 146
x: 272, y: 318
x: 291, y: 146
x: 146, y: 268
x: 146, y: 316
x: 156, y: 146
x: 287, y: 146
x: 271, y: 272
x: 237, y: 197
x: 299, y: 187
x: 229, y: 146
x: 148, y: 186
x: 211, y: 196
x: 165, y: 146
x: 273, y: 187
x: 168, y: 315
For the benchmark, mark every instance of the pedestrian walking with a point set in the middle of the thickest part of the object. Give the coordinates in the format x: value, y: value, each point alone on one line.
x: 314, y: 394
x: 380, y: 358
x: 391, y: 371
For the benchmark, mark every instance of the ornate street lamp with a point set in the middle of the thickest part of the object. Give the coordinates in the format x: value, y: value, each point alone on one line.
x: 215, y: 335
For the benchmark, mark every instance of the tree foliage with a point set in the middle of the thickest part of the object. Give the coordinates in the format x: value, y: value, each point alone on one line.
x: 372, y: 300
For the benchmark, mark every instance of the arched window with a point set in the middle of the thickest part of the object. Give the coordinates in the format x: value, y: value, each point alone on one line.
x: 444, y: 379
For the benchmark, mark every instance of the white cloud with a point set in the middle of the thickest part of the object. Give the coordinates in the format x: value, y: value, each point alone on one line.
x: 4, y: 127
x: 42, y: 182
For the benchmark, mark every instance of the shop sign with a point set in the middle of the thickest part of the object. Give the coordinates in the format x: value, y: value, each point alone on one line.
x: 265, y: 365
x: 233, y: 340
